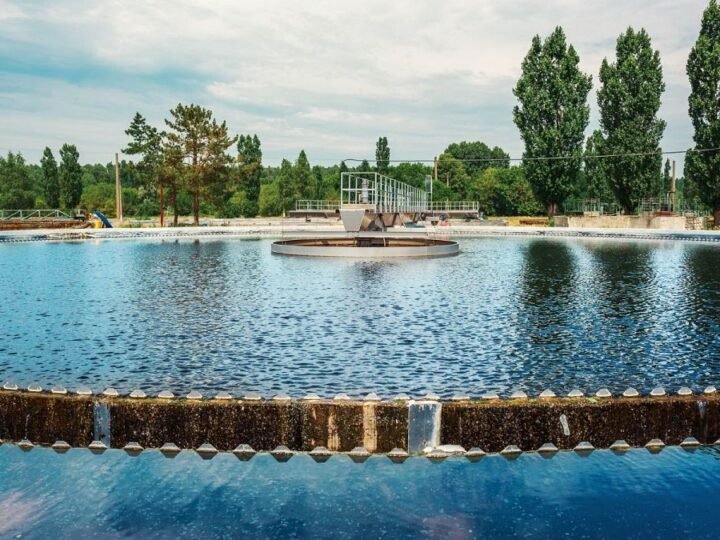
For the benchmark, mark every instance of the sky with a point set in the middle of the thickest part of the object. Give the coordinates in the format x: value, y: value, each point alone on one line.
x: 326, y: 76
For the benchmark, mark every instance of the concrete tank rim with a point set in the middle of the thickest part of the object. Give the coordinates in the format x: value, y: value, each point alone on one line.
x: 417, y: 247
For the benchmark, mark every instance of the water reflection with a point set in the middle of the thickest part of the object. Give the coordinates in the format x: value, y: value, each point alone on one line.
x: 227, y: 315
x: 113, y: 495
x: 548, y: 281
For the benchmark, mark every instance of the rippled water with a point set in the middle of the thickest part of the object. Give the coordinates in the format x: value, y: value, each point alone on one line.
x: 507, y: 313
x: 81, y: 495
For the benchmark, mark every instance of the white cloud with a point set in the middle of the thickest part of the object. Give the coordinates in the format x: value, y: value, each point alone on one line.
x: 329, y: 76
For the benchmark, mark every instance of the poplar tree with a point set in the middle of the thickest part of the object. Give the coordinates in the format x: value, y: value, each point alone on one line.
x: 285, y: 181
x: 250, y: 165
x: 51, y: 178
x: 303, y: 180
x: 595, y: 174
x: 703, y: 70
x: 552, y: 117
x: 70, y: 175
x: 382, y: 155
x: 629, y: 100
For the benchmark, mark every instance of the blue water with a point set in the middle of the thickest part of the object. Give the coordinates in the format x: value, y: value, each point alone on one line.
x: 81, y: 495
x: 506, y: 314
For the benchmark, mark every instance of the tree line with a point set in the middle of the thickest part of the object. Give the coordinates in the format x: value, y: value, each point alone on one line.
x: 622, y: 160
x: 193, y: 165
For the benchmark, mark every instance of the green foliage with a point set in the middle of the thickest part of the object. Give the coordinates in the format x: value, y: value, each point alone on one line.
x: 363, y: 167
x: 99, y: 197
x: 303, y: 181
x: 70, y: 176
x: 382, y: 155
x: 552, y: 117
x: 285, y: 191
x: 318, y: 183
x: 484, y: 157
x: 250, y: 170
x: 203, y: 142
x: 504, y: 192
x: 270, y: 202
x: 703, y: 70
x: 16, y: 189
x: 51, y: 178
x: 452, y: 172
x: 629, y: 100
x: 596, y: 183
x: 146, y: 141
x: 411, y: 173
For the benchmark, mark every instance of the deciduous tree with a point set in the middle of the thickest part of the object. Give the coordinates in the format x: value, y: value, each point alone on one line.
x: 250, y: 169
x: 596, y: 183
x: 478, y: 156
x: 16, y: 190
x: 629, y: 100
x: 382, y: 155
x: 70, y: 176
x: 552, y: 117
x: 51, y: 178
x: 703, y: 70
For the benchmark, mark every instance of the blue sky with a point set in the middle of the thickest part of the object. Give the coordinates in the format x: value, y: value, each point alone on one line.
x: 327, y: 76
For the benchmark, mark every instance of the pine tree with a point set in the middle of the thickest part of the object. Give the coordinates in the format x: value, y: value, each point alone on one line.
x: 51, y: 178
x: 147, y: 142
x: 382, y: 155
x: 703, y: 70
x: 70, y: 174
x: 629, y: 100
x: 552, y: 116
x: 204, y: 143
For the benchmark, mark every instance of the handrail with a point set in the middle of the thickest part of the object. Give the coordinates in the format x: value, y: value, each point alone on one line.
x: 35, y: 213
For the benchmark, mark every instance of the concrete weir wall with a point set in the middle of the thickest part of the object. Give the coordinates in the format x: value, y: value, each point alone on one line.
x: 301, y: 425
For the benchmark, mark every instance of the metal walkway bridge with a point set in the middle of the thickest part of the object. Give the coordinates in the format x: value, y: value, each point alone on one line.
x: 382, y: 195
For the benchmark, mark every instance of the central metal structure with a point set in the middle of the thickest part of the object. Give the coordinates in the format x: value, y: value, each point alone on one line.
x: 380, y: 195
x: 383, y: 194
x: 373, y: 201
x: 369, y: 204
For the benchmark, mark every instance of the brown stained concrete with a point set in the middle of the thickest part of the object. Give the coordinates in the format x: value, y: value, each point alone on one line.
x: 380, y: 427
x: 45, y: 418
x: 264, y: 425
x: 188, y: 424
x: 529, y: 424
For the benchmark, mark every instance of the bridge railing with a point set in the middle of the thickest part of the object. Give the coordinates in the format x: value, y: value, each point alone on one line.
x: 33, y: 214
x: 386, y: 194
x: 454, y: 206
x: 317, y: 205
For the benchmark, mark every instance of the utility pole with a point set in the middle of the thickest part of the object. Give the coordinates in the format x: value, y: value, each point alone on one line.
x: 118, y: 190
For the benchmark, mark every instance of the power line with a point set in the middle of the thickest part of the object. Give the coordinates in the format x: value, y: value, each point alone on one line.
x: 548, y: 158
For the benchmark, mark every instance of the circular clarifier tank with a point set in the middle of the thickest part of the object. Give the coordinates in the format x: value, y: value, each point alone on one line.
x: 367, y: 247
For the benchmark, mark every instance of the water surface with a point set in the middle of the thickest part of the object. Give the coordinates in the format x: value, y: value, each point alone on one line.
x: 81, y: 495
x: 506, y: 314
